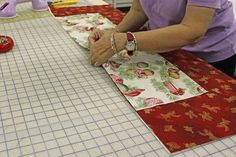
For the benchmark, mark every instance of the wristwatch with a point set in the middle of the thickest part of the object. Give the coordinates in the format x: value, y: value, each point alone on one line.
x: 131, y: 43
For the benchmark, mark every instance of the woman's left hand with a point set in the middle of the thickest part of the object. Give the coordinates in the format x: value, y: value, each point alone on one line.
x: 101, y: 51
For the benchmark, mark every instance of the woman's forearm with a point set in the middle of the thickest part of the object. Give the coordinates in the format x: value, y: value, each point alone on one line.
x: 159, y: 40
x: 134, y: 19
x: 132, y: 22
x: 166, y: 39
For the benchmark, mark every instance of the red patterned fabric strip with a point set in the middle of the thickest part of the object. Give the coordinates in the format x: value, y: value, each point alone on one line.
x: 106, y: 10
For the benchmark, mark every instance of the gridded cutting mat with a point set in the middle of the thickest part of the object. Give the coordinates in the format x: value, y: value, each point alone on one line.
x: 54, y: 103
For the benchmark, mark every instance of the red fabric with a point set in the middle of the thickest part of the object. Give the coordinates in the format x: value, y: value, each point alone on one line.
x: 211, y: 115
x: 190, y: 122
x: 106, y: 10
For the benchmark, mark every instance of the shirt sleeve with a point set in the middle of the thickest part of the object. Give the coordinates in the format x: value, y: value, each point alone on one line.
x: 216, y: 4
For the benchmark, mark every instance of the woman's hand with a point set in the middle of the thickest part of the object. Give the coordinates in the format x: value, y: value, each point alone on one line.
x: 101, y: 50
x: 95, y: 35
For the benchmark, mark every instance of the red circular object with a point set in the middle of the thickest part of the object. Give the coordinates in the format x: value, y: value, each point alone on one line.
x: 6, y: 43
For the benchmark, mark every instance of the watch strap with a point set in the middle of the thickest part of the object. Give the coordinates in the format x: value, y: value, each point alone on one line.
x: 131, y: 40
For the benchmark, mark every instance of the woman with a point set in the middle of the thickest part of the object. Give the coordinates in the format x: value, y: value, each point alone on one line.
x: 206, y: 28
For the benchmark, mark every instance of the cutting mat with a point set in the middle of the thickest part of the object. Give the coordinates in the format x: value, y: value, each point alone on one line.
x: 54, y: 103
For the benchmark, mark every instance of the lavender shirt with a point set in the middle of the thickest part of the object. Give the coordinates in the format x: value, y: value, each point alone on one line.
x: 218, y: 43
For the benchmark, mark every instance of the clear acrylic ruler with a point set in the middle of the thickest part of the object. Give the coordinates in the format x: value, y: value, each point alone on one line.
x: 54, y: 103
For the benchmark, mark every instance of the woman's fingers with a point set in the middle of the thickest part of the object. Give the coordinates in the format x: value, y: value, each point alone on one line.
x: 102, y: 59
x: 92, y: 38
x: 95, y: 35
x: 101, y: 51
x: 124, y: 53
x: 98, y: 34
x: 97, y: 55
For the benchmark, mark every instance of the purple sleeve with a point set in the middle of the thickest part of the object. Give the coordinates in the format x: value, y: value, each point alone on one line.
x: 206, y: 3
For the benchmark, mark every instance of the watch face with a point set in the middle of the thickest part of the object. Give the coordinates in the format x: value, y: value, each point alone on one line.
x: 130, y: 46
